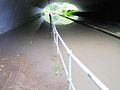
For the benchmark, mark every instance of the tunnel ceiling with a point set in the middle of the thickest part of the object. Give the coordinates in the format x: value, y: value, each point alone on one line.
x: 85, y: 5
x: 107, y: 9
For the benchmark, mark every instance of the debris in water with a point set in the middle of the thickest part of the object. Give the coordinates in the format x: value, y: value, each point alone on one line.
x: 18, y: 55
x: 31, y: 42
x: 3, y: 65
x: 2, y: 58
x: 53, y: 58
x: 57, y: 73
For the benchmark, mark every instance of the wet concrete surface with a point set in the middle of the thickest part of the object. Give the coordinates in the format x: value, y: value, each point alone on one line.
x: 32, y: 50
x: 112, y: 26
x: 29, y: 51
x: 98, y: 51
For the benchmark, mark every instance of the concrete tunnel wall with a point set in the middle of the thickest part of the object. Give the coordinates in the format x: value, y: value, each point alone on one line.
x: 14, y: 12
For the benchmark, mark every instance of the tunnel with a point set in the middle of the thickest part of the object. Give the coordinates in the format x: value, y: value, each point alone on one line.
x: 28, y: 56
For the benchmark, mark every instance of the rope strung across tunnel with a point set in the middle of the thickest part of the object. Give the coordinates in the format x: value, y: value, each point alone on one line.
x: 58, y: 38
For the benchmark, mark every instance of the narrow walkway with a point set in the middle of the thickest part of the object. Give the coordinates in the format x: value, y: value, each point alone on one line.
x: 98, y: 51
x: 30, y: 53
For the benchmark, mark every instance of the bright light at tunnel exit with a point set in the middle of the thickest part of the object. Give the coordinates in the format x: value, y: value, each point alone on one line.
x: 62, y: 8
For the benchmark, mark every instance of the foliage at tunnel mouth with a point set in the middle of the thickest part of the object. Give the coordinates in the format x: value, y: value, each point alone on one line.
x: 62, y: 8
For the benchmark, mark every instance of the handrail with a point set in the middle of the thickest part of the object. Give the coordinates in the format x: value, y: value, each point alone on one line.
x: 71, y: 55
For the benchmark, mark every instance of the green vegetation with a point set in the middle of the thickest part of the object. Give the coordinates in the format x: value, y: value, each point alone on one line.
x: 69, y: 12
x: 43, y: 13
x: 57, y: 73
x: 117, y: 33
x: 61, y: 8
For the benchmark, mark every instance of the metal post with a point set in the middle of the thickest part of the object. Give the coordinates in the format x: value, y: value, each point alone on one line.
x: 56, y: 40
x: 54, y: 34
x: 69, y: 70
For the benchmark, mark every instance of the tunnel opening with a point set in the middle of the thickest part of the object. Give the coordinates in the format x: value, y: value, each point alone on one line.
x: 60, y: 8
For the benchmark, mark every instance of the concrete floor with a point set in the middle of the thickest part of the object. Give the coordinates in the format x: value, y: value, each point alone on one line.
x: 98, y: 51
